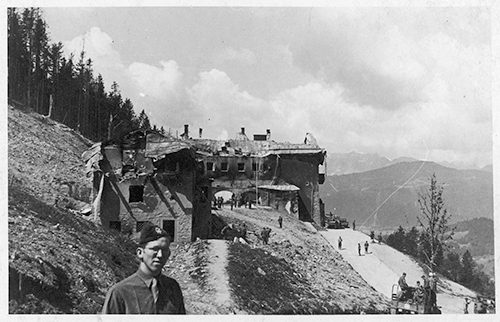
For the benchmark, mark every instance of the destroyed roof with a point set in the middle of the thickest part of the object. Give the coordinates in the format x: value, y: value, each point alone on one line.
x: 154, y: 145
x: 158, y: 145
x: 281, y: 187
x: 257, y: 148
x: 91, y: 157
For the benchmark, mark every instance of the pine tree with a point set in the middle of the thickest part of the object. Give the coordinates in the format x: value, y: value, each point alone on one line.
x: 452, y: 267
x: 144, y: 123
x: 53, y: 69
x: 411, y: 242
x: 467, y: 270
x: 16, y: 56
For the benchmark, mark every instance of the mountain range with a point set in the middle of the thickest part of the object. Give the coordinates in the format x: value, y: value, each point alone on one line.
x: 387, y: 197
x: 354, y: 162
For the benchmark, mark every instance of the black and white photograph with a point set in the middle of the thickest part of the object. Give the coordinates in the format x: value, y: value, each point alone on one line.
x: 250, y: 158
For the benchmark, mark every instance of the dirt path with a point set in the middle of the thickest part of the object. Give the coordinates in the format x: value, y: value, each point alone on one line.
x: 382, y: 266
x: 219, y: 280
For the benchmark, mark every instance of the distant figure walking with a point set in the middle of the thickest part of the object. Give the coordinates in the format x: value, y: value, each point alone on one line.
x: 280, y: 221
x: 359, y: 249
x: 366, y: 247
x: 340, y: 242
x: 354, y: 225
x: 380, y: 238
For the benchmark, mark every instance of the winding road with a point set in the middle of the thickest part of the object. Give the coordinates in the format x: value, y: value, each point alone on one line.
x: 382, y: 266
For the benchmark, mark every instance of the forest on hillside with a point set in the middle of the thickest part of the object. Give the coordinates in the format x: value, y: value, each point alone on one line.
x: 66, y: 89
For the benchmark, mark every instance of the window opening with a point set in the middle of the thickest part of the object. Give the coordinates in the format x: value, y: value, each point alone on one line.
x: 169, y: 227
x: 136, y: 194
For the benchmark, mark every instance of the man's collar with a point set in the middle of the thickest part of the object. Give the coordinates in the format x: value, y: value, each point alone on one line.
x: 148, y: 279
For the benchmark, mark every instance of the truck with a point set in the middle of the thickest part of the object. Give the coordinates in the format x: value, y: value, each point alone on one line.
x: 336, y: 222
x: 404, y: 303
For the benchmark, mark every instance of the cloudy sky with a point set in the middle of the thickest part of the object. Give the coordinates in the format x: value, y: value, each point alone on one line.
x: 397, y: 81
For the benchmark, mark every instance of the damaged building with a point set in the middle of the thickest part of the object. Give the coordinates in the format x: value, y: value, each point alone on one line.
x: 284, y: 176
x: 145, y: 176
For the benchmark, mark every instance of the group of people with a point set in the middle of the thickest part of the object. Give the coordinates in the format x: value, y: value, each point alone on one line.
x: 234, y: 201
x: 366, y: 245
x: 421, y: 292
x: 218, y: 202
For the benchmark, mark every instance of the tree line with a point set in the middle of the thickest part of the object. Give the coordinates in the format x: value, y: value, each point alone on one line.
x: 458, y: 268
x: 67, y: 90
x: 429, y: 244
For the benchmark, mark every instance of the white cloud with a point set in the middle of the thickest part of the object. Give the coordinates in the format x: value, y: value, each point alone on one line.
x: 155, y: 82
x: 98, y: 46
x: 218, y: 101
x: 396, y: 81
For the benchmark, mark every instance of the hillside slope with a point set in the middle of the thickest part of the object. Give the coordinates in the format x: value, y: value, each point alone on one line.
x: 61, y: 262
x: 386, y: 198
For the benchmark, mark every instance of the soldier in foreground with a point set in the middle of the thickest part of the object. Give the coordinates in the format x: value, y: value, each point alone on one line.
x: 147, y: 291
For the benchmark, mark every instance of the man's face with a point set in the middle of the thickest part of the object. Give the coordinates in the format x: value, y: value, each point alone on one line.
x: 154, y: 255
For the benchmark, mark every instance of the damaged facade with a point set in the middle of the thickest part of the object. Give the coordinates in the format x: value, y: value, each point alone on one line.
x: 283, y: 176
x: 148, y: 177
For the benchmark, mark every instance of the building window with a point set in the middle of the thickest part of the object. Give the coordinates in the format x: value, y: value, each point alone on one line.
x: 223, y: 167
x: 169, y: 227
x: 210, y: 166
x: 116, y: 225
x: 139, y: 225
x: 241, y: 167
x: 257, y: 166
x: 136, y: 194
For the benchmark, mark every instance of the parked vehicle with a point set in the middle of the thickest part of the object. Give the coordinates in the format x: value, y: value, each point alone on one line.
x: 336, y: 222
x: 403, y: 303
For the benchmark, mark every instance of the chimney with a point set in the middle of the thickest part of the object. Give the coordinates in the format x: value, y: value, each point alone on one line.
x: 186, y: 131
x: 200, y: 131
x: 268, y: 134
x: 243, y: 130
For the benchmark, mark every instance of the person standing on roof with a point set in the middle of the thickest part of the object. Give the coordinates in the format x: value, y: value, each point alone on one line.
x: 354, y: 225
x: 359, y: 249
x: 366, y: 247
x: 147, y: 291
x: 340, y: 242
